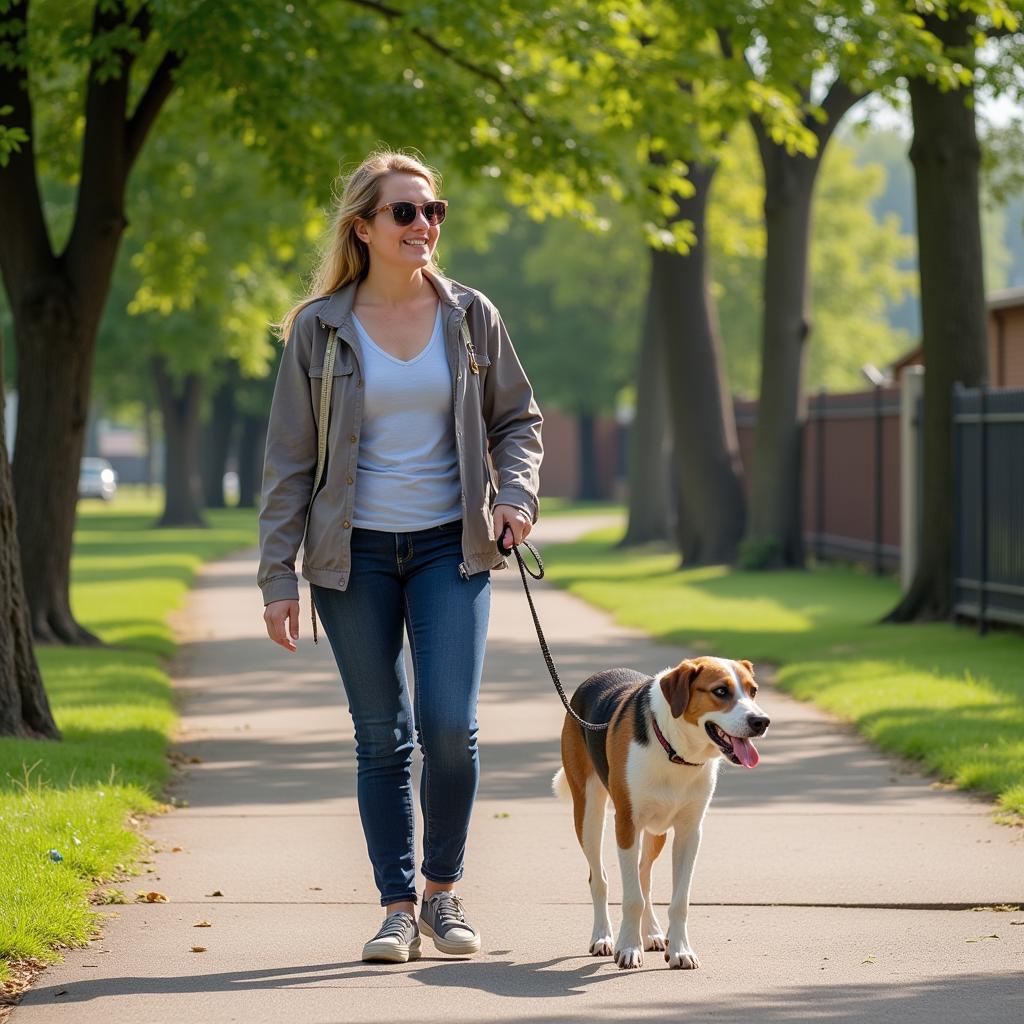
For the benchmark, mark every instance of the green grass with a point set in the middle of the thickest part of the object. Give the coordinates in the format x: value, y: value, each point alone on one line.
x: 936, y: 693
x: 115, y: 708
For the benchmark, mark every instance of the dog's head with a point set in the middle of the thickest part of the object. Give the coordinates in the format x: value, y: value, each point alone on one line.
x: 716, y: 697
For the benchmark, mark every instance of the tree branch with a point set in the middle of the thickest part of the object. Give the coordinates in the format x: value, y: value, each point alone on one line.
x: 840, y: 98
x: 393, y: 13
x: 25, y: 246
x: 149, y: 106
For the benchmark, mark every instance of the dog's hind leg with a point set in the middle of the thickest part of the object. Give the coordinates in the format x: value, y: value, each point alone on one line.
x: 589, y: 799
x: 592, y: 839
x: 650, y: 930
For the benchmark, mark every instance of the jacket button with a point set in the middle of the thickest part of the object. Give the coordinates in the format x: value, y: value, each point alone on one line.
x: 359, y: 383
x: 348, y: 480
x: 352, y: 438
x: 458, y: 376
x: 346, y: 524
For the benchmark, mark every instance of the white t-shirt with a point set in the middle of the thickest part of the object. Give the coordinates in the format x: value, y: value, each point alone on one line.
x: 408, y: 469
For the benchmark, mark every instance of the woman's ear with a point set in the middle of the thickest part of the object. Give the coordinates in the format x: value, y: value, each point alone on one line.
x: 362, y: 230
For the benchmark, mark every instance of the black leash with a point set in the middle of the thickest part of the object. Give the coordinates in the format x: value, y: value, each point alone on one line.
x: 539, y: 575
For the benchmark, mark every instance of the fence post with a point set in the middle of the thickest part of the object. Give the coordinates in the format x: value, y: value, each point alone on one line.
x: 819, y: 480
x: 982, y: 505
x: 878, y: 478
x: 911, y: 390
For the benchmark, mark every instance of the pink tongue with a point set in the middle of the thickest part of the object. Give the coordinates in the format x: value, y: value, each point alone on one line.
x: 745, y: 751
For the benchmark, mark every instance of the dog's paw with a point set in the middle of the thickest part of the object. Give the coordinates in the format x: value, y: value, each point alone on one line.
x: 682, y: 960
x: 601, y: 945
x: 655, y: 941
x: 629, y: 957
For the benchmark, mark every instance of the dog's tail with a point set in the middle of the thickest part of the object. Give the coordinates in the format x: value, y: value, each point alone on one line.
x: 560, y: 785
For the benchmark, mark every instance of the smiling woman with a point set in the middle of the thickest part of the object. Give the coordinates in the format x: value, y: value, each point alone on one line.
x: 404, y: 440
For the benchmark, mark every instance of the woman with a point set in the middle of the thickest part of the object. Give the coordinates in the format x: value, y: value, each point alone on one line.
x: 424, y: 414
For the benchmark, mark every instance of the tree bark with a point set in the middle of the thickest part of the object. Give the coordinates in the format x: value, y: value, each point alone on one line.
x: 651, y: 500
x: 774, y: 536
x: 24, y: 707
x: 251, y: 444
x: 179, y: 406
x: 217, y: 438
x: 590, y: 487
x: 946, y: 158
x: 711, y: 512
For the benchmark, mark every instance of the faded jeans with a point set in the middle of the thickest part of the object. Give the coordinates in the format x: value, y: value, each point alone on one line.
x: 411, y: 580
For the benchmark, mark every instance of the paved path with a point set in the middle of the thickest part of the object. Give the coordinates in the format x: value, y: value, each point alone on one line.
x: 831, y: 885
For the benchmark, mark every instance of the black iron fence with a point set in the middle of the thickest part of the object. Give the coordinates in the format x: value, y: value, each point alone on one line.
x: 988, y: 582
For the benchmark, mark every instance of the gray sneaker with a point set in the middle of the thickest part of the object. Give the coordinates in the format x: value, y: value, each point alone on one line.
x: 397, y: 942
x: 443, y: 919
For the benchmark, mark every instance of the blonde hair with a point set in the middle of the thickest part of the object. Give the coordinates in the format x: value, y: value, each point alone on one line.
x: 346, y: 258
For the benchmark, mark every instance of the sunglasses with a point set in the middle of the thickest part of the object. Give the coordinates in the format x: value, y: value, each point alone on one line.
x: 405, y: 212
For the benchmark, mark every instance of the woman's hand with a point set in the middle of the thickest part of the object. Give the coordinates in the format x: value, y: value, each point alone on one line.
x: 515, y: 518
x: 282, y: 619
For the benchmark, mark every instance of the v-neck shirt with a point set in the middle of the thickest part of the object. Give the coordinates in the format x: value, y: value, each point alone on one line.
x: 407, y: 470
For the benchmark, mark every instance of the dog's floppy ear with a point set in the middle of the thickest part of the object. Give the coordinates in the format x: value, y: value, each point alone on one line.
x: 675, y: 685
x: 748, y: 665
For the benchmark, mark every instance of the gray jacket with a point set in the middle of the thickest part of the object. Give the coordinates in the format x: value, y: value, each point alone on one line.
x: 495, y: 413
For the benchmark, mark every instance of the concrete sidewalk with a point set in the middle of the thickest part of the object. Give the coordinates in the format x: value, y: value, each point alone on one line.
x: 833, y: 884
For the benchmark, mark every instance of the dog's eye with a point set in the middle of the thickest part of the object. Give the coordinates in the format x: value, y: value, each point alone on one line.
x: 721, y: 691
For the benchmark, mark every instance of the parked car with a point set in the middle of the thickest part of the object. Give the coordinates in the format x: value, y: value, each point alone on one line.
x: 96, y: 479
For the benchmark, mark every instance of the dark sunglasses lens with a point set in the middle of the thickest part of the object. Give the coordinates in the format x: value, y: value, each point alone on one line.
x: 404, y: 213
x: 434, y: 212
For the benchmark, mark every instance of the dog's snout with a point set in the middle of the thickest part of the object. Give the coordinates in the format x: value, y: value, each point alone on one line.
x: 758, y: 724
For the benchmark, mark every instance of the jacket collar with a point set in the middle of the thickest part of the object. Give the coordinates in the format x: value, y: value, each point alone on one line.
x: 339, y: 303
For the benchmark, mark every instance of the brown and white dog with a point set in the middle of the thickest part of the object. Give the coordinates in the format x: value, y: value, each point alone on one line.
x: 658, y: 761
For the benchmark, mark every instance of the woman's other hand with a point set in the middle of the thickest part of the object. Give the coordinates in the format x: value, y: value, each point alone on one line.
x: 282, y: 619
x: 516, y: 520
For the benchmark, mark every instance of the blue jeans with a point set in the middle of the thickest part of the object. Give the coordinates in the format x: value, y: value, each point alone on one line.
x: 411, y: 580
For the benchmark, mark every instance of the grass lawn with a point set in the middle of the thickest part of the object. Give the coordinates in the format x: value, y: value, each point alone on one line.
x: 937, y: 693
x: 115, y: 708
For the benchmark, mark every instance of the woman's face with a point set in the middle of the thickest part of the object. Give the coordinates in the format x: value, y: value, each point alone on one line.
x: 410, y: 247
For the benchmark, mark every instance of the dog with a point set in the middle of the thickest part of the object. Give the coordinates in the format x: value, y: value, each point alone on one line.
x: 658, y: 761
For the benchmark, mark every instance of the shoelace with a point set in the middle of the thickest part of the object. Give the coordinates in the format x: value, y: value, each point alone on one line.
x: 394, y: 925
x: 449, y: 909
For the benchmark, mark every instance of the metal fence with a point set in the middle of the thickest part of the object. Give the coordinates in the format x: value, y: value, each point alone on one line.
x: 988, y: 563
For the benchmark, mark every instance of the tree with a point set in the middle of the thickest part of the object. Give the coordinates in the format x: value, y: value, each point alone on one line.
x: 24, y: 708
x: 946, y: 159
x: 280, y: 66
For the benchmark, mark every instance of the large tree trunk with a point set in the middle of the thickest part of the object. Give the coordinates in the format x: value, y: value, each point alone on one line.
x: 651, y: 497
x: 217, y: 438
x: 946, y: 157
x: 24, y: 708
x: 251, y: 444
x: 774, y: 535
x: 706, y: 450
x: 179, y: 405
x: 590, y: 487
x: 55, y: 349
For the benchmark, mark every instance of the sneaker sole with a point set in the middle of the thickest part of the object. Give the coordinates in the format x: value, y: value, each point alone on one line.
x: 464, y: 948
x: 391, y: 953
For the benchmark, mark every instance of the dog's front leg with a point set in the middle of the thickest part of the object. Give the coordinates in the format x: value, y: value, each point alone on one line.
x: 629, y: 948
x: 685, y: 844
